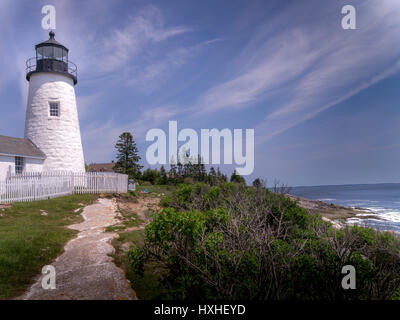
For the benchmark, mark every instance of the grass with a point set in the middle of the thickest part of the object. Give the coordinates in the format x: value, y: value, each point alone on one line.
x: 146, y: 287
x: 30, y: 239
x: 158, y: 190
x: 130, y: 218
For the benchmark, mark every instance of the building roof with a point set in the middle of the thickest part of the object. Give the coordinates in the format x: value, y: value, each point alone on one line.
x: 19, y: 147
x: 101, y: 167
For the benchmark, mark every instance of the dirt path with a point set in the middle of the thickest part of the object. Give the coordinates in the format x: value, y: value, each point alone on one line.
x: 85, y: 271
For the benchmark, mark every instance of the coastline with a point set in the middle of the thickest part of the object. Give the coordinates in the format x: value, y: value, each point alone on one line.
x: 331, y: 211
x: 335, y: 214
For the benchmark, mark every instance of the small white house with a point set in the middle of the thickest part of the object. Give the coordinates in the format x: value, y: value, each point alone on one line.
x: 18, y: 156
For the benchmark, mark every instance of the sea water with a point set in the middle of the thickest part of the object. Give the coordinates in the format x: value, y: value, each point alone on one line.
x: 382, y: 200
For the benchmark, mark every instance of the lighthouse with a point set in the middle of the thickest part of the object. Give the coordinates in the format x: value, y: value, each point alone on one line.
x: 52, y: 122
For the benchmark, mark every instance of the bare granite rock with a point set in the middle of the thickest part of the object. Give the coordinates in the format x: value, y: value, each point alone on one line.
x: 330, y: 210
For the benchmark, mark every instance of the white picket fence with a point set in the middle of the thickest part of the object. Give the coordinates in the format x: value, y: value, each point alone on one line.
x: 33, y: 186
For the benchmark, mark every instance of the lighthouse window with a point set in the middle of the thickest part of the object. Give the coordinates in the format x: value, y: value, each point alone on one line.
x: 58, y: 53
x: 54, y: 109
x: 19, y: 165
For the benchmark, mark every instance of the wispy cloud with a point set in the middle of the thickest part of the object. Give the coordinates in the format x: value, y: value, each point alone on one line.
x: 276, y: 68
x: 315, y: 66
x: 152, y: 75
x: 143, y: 29
x: 113, y: 53
x: 296, y: 117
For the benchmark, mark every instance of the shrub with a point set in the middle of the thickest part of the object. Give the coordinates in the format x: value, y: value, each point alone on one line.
x: 238, y: 242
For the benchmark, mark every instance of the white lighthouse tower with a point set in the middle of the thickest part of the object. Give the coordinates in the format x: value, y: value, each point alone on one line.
x: 52, y: 122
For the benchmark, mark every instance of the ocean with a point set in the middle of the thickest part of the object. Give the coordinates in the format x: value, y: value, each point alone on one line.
x: 382, y: 200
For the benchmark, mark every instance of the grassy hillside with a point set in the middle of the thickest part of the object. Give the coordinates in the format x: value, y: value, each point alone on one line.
x: 32, y: 235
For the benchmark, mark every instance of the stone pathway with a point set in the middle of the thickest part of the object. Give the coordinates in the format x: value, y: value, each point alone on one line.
x: 85, y: 271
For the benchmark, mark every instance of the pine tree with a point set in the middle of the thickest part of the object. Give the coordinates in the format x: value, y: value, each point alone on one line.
x: 127, y: 157
x: 163, y: 175
x: 212, y: 177
x: 187, y: 166
x: 201, y: 172
x: 235, y: 177
x: 257, y: 183
x: 180, y: 169
x: 221, y: 177
x: 172, y: 171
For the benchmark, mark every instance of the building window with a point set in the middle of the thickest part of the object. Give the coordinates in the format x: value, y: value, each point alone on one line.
x: 19, y: 165
x: 54, y: 109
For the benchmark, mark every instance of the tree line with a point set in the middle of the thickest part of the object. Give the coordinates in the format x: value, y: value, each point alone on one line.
x: 185, y: 169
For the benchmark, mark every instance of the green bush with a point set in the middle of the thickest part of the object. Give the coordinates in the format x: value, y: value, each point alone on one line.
x: 238, y: 242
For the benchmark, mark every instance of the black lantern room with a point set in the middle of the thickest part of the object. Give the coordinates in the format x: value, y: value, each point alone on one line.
x: 51, y: 56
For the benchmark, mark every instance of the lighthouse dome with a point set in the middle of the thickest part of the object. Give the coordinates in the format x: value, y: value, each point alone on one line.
x: 51, y: 42
x: 51, y: 56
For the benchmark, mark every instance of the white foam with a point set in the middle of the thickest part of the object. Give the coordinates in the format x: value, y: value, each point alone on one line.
x: 393, y: 216
x: 386, y: 214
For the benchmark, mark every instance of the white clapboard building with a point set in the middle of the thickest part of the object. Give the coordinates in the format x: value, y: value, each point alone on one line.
x: 52, y: 139
x: 18, y: 155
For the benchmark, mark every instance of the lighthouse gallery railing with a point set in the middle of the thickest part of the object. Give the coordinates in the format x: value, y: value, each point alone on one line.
x: 31, y: 66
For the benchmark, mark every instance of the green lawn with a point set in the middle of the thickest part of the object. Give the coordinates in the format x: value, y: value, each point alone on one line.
x: 30, y: 239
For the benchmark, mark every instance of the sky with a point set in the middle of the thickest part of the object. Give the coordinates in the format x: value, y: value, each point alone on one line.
x: 323, y: 101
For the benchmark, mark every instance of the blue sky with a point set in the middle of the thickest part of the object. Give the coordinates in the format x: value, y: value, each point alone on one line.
x: 324, y: 102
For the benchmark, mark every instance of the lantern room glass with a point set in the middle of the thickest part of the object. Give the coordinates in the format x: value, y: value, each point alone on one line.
x: 52, y: 52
